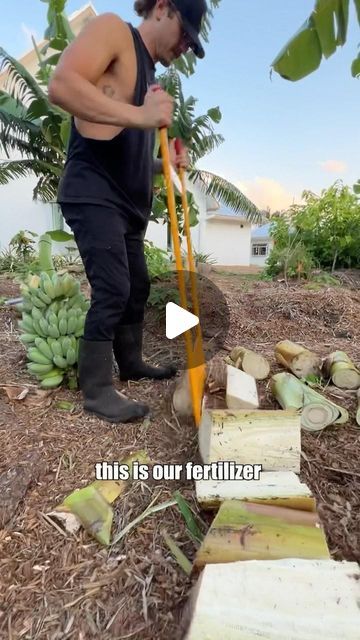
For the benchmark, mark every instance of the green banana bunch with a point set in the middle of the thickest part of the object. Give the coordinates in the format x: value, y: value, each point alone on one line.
x: 52, y: 322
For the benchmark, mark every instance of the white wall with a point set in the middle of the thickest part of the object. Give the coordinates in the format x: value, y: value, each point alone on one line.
x: 19, y: 211
x: 227, y: 241
x: 157, y: 233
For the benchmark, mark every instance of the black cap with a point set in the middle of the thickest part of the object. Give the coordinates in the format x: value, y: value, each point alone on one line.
x: 192, y: 13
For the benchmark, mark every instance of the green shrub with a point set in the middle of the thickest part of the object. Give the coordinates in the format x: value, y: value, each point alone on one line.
x: 285, y: 261
x: 157, y: 260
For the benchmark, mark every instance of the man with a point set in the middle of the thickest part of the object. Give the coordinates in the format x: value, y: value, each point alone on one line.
x: 105, y: 80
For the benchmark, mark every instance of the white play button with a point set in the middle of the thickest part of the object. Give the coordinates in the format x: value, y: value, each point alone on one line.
x: 178, y: 320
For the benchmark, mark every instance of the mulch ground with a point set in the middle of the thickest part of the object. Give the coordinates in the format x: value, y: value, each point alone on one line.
x: 56, y: 585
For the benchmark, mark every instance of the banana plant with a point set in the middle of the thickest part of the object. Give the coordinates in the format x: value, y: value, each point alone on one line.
x: 30, y: 125
x: 319, y: 37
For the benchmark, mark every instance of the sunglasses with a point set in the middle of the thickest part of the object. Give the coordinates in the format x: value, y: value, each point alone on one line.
x: 185, y: 38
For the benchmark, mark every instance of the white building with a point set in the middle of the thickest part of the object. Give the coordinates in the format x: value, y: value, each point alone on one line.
x: 261, y: 245
x: 220, y: 233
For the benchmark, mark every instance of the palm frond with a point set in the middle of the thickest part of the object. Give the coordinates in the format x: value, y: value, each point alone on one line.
x: 9, y: 170
x: 46, y: 188
x: 15, y: 125
x: 205, y: 145
x: 226, y: 193
x: 20, y: 84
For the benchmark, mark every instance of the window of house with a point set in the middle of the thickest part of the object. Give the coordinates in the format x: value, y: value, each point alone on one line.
x: 259, y: 250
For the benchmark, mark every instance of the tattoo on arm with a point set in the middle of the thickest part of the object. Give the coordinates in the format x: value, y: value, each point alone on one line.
x: 109, y: 91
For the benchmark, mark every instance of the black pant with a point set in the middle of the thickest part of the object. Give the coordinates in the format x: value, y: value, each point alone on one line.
x: 112, y: 250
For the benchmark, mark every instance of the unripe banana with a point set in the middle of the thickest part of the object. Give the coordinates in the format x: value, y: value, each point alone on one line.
x: 51, y: 374
x: 39, y: 369
x: 51, y: 383
x: 36, y: 356
x: 26, y: 325
x: 47, y: 285
x: 76, y: 301
x: 68, y: 285
x: 27, y: 306
x: 44, y: 326
x: 56, y: 348
x: 80, y: 326
x: 54, y: 331
x: 60, y: 362
x: 24, y: 289
x: 71, y: 356
x: 62, y: 313
x: 53, y: 319
x: 63, y: 326
x: 72, y: 324
x: 37, y: 302
x: 66, y: 345
x: 38, y: 329
x: 28, y: 338
x: 33, y: 281
x: 44, y: 297
x: 54, y: 306
x: 44, y: 348
x: 36, y: 313
x: 86, y: 305
x: 75, y: 289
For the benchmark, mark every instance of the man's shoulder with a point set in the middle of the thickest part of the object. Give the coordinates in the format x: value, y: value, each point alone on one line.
x: 109, y: 26
x: 110, y: 19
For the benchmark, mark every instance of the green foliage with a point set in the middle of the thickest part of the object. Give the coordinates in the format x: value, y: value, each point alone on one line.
x: 324, y: 31
x: 326, y: 279
x: 157, y: 260
x: 22, y: 245
x: 29, y: 124
x: 204, y: 258
x: 286, y: 260
x: 160, y: 295
x: 324, y: 232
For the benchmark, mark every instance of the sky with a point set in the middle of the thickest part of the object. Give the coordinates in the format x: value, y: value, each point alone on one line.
x: 281, y: 138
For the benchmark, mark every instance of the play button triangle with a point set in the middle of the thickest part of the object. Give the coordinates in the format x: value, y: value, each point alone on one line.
x: 178, y: 320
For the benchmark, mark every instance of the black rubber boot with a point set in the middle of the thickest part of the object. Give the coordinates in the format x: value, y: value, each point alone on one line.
x: 128, y: 345
x: 95, y: 381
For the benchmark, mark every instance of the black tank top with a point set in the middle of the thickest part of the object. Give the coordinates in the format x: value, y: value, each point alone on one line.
x: 117, y: 172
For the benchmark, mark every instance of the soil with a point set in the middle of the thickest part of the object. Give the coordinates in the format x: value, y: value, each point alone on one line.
x: 61, y: 585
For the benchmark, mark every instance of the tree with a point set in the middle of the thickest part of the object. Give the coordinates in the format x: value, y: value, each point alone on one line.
x: 324, y: 231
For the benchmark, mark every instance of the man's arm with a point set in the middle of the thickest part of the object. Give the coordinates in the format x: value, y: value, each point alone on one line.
x: 73, y: 84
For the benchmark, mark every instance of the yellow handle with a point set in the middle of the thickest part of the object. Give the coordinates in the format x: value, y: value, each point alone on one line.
x: 196, y: 355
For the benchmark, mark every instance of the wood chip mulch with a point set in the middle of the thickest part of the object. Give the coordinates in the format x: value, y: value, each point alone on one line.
x: 57, y: 585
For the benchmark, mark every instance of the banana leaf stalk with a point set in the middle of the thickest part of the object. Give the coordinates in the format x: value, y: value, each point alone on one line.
x: 317, y: 412
x: 45, y: 258
x: 342, y: 371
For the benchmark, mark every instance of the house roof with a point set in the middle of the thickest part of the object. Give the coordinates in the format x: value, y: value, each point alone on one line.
x: 227, y: 213
x: 261, y: 232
